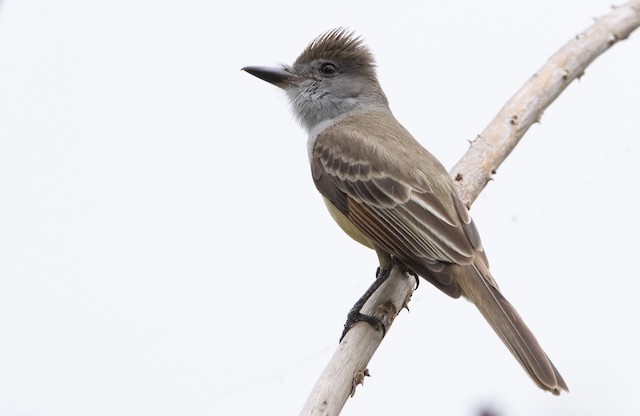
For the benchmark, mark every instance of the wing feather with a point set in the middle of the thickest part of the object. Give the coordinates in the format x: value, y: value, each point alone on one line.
x: 395, y: 196
x: 401, y: 198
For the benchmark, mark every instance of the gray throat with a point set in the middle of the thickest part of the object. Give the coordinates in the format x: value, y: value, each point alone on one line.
x: 315, y: 130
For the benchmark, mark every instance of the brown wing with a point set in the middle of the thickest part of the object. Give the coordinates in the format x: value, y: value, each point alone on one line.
x: 402, y: 199
x: 397, y: 194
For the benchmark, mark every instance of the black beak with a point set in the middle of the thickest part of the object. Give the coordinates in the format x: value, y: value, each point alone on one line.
x: 278, y: 76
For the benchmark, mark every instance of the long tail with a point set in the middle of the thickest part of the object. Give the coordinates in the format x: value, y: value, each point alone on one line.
x: 480, y: 288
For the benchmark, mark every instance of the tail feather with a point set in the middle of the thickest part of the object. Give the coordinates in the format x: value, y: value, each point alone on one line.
x: 480, y: 288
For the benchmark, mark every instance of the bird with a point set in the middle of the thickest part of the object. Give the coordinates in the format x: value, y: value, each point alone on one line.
x: 387, y: 192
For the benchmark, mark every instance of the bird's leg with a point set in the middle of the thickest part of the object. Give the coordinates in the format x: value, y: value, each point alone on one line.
x: 355, y: 315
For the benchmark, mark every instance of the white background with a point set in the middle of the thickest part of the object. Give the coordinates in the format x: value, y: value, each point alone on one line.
x: 163, y: 250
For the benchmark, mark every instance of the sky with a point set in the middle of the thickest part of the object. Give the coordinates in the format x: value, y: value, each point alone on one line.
x: 163, y: 249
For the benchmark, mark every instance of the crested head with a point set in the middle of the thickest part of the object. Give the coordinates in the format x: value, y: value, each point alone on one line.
x: 333, y: 77
x: 343, y: 46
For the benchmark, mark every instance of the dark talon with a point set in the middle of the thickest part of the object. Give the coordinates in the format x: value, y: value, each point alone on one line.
x: 355, y: 315
x: 408, y: 271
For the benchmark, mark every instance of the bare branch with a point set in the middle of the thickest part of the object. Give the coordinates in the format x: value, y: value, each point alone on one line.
x: 348, y: 366
x: 498, y: 139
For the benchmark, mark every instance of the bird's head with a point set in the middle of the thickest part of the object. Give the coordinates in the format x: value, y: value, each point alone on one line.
x: 333, y: 76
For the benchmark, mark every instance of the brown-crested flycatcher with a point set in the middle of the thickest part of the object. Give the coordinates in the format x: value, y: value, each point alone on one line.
x: 389, y: 193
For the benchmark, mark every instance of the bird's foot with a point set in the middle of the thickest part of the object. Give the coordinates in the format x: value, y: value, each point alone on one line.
x: 407, y: 270
x: 355, y: 315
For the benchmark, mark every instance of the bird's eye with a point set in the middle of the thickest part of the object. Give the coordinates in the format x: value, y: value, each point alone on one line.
x: 328, y: 69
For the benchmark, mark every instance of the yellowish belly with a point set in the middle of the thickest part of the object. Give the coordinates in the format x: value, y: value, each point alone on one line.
x: 347, y: 226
